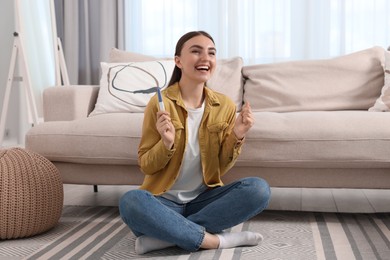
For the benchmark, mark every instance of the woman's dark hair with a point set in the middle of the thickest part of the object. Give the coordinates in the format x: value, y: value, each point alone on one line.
x: 176, y: 75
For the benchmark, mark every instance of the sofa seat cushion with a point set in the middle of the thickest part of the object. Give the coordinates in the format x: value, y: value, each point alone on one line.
x: 320, y: 139
x: 323, y: 139
x: 102, y: 139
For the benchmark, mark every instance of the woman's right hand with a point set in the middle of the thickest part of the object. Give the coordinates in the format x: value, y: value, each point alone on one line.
x: 165, y: 128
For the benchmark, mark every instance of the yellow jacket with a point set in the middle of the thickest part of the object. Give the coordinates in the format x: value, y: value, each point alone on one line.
x: 219, y: 147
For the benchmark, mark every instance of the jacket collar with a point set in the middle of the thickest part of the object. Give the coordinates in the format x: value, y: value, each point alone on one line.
x: 173, y: 93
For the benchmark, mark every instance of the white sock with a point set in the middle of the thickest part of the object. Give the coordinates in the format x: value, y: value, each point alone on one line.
x: 245, y: 238
x: 144, y: 244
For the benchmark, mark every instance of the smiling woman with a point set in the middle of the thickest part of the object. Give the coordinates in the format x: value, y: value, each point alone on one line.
x: 184, y: 151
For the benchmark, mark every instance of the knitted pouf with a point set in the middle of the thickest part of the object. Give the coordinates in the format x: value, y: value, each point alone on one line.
x: 31, y: 193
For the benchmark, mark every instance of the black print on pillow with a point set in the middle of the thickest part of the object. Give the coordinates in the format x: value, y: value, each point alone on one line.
x: 135, y: 83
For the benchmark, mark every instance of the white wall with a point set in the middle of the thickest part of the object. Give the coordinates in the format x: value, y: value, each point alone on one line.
x: 7, y: 26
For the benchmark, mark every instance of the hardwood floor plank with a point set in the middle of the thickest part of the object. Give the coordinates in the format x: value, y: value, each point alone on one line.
x: 291, y: 199
x: 286, y: 199
x: 379, y: 199
x: 318, y: 200
x: 352, y: 200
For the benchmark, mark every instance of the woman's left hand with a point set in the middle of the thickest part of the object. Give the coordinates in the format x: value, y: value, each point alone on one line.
x: 244, y: 121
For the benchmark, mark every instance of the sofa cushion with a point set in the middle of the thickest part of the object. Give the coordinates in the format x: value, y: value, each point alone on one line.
x: 352, y: 81
x: 382, y: 104
x: 339, y: 139
x: 322, y: 139
x: 128, y: 87
x: 102, y: 139
x: 227, y: 78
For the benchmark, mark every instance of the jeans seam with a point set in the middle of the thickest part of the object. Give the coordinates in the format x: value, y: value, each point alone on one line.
x: 199, y: 243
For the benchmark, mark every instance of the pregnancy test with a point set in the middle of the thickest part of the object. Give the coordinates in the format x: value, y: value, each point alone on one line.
x: 160, y: 100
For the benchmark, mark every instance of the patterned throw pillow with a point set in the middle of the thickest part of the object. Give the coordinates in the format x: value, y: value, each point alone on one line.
x: 128, y: 87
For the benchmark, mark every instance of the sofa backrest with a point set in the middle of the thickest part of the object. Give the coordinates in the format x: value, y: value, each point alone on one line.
x: 349, y: 82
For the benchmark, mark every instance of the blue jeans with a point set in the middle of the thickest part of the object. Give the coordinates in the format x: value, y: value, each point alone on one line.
x: 184, y: 225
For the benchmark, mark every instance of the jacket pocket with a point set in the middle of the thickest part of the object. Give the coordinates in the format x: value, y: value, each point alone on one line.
x: 217, y: 131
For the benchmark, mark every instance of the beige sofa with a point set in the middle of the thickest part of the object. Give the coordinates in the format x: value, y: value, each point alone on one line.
x: 313, y: 127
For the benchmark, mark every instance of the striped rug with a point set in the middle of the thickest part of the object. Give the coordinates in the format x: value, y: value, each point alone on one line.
x: 98, y: 233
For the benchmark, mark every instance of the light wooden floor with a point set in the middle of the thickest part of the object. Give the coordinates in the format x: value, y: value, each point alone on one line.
x: 297, y: 199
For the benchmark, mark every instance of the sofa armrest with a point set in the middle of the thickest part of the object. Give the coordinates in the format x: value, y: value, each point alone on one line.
x: 66, y: 103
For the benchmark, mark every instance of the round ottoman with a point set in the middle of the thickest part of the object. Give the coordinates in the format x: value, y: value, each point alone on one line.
x: 31, y: 193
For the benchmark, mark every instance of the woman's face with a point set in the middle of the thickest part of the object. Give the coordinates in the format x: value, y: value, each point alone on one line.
x: 197, y: 59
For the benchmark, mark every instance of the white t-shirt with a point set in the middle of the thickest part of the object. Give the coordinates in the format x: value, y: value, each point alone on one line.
x: 190, y: 181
